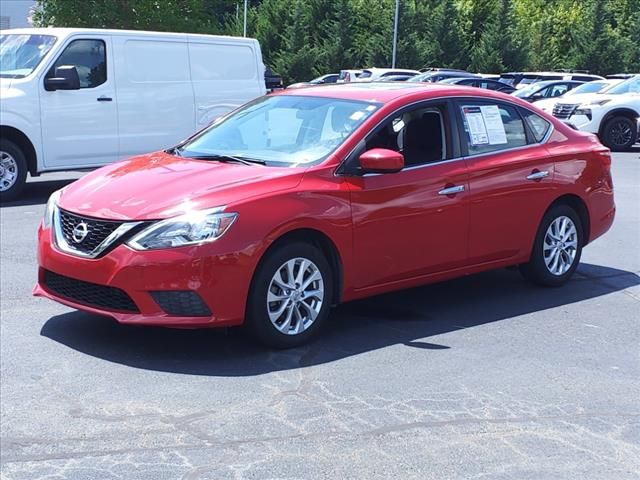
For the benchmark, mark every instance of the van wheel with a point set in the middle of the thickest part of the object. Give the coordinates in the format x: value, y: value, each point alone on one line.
x: 290, y: 296
x: 619, y: 134
x: 557, y: 248
x: 13, y: 170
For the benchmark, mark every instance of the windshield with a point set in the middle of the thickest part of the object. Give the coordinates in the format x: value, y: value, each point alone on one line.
x: 283, y: 130
x: 632, y: 85
x: 527, y: 91
x: 20, y: 54
x: 589, y: 87
x: 423, y: 77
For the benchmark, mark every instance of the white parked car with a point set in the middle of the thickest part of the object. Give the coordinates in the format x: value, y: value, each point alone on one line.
x: 82, y: 98
x: 597, y: 86
x: 375, y: 74
x: 347, y: 76
x: 612, y: 115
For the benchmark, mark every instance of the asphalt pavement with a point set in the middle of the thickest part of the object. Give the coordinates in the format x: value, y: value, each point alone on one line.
x: 482, y: 377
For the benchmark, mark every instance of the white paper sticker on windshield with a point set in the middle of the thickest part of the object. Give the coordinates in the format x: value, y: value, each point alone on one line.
x: 475, y: 122
x: 355, y: 116
x: 494, y: 125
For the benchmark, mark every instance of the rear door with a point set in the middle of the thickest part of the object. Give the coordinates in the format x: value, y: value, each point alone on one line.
x: 510, y: 177
x: 414, y: 222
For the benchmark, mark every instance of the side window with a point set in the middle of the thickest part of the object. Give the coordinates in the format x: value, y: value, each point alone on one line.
x: 545, y: 92
x: 558, y: 90
x: 538, y: 125
x: 419, y: 134
x: 490, y: 127
x: 90, y: 59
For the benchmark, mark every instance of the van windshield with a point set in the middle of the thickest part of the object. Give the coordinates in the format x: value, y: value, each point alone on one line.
x: 283, y: 130
x: 20, y: 54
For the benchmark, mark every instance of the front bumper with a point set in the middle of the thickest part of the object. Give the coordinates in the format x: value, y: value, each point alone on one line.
x: 221, y: 280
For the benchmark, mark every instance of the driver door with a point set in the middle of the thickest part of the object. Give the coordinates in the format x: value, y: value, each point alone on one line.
x: 80, y: 127
x: 413, y: 223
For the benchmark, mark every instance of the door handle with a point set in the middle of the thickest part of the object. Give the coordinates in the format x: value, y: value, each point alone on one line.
x: 538, y: 175
x: 104, y: 99
x: 451, y: 190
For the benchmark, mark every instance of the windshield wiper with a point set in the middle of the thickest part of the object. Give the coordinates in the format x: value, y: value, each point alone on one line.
x: 174, y: 151
x: 220, y: 157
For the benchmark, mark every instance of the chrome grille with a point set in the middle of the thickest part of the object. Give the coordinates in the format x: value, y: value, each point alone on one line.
x: 97, y: 231
x: 90, y: 237
x: 563, y: 110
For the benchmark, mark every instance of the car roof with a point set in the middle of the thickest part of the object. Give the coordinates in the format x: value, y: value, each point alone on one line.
x: 387, y: 92
x: 546, y: 83
x: 385, y: 70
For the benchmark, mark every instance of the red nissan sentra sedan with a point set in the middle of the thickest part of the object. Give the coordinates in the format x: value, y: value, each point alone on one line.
x: 304, y: 199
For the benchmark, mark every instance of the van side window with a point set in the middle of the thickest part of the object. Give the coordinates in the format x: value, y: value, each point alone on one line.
x: 419, y: 134
x: 490, y: 127
x: 90, y: 59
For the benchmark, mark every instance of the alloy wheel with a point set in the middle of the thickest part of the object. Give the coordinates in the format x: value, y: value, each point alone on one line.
x: 295, y: 296
x: 620, y: 133
x: 8, y: 171
x: 560, y: 245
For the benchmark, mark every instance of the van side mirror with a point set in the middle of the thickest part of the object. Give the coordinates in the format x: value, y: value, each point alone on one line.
x: 381, y: 160
x: 65, y: 78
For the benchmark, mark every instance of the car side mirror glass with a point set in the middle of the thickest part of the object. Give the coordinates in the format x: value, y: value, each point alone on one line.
x: 381, y: 160
x: 65, y: 78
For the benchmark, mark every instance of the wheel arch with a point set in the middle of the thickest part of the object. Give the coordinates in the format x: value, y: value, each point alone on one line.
x: 617, y: 112
x: 322, y: 241
x: 22, y: 141
x: 579, y: 205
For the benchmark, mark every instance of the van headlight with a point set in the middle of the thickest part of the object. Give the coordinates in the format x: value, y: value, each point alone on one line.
x: 49, y: 210
x: 193, y: 228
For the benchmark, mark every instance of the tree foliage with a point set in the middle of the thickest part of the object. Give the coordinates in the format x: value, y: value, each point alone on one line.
x: 304, y: 38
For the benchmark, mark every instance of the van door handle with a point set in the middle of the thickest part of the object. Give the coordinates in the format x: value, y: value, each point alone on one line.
x: 451, y: 190
x: 104, y: 99
x: 537, y: 175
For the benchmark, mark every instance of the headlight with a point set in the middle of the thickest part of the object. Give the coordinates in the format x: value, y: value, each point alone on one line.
x: 193, y: 228
x: 50, y: 208
x: 583, y: 111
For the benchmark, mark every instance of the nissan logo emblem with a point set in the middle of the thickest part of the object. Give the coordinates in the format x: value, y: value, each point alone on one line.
x: 80, y: 231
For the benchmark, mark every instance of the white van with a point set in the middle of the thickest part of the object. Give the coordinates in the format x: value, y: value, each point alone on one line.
x: 82, y: 98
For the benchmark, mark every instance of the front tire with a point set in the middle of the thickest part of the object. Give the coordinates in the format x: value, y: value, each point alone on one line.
x: 619, y: 134
x: 290, y: 297
x: 13, y: 170
x: 557, y: 248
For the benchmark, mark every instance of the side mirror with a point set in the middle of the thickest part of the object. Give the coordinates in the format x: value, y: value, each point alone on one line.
x: 65, y: 78
x: 381, y: 160
x: 536, y: 96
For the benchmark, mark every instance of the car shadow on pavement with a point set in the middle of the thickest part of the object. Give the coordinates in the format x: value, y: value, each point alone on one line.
x: 37, y: 193
x: 408, y: 318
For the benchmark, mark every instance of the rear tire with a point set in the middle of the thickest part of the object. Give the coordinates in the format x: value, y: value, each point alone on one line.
x: 619, y: 134
x: 13, y: 170
x: 557, y: 248
x: 291, y: 296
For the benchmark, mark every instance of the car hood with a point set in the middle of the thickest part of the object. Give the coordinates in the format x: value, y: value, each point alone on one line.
x: 159, y: 185
x: 581, y: 98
